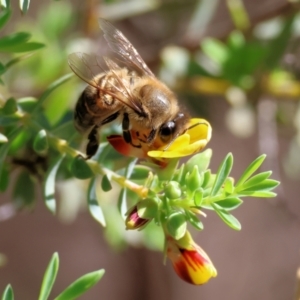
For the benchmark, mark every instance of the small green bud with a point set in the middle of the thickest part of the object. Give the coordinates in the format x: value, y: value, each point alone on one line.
x: 201, y: 160
x: 176, y: 225
x: 208, y: 179
x: 10, y: 106
x: 40, y: 143
x: 27, y: 104
x: 193, y: 180
x: 147, y: 208
x: 173, y: 190
x: 198, y: 197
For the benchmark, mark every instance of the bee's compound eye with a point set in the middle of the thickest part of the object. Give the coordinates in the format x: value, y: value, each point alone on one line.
x: 166, y: 131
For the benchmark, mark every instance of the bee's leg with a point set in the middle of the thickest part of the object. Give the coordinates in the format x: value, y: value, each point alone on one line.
x: 110, y: 118
x: 126, y: 131
x: 93, y: 143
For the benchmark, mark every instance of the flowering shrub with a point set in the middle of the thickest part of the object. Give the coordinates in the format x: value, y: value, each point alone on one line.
x: 157, y: 187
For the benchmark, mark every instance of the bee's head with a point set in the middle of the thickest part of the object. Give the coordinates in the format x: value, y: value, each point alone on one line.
x: 171, y: 129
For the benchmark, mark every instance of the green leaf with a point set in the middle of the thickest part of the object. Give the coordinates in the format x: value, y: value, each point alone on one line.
x: 3, y: 138
x: 256, y: 179
x: 27, y: 104
x: 50, y: 89
x: 81, y: 285
x: 13, y: 40
x: 194, y: 220
x: 49, y: 185
x: 93, y: 205
x: 230, y: 203
x: 80, y: 169
x: 105, y: 183
x: 176, y: 225
x: 229, y: 219
x: 173, y: 190
x: 193, y: 180
x: 178, y: 174
x: 4, y: 17
x: 40, y: 143
x: 25, y: 47
x: 258, y: 194
x: 223, y: 172
x: 19, y: 141
x: 49, y: 277
x: 24, y: 5
x: 24, y: 193
x: 202, y: 160
x: 251, y: 169
x: 10, y: 106
x: 267, y: 184
x: 8, y: 293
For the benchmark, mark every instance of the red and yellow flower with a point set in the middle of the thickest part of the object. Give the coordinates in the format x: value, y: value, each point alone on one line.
x: 190, y: 142
x: 189, y: 260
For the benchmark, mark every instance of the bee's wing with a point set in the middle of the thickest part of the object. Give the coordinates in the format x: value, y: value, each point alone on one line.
x: 87, y: 67
x: 120, y: 45
x: 130, y: 99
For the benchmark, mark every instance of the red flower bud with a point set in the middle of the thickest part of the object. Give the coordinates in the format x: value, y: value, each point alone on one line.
x: 189, y: 260
x: 134, y: 221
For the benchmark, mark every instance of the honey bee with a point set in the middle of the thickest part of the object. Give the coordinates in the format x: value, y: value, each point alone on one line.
x: 127, y: 90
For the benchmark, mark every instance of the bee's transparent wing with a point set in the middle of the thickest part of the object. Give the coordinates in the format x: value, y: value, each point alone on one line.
x: 120, y: 45
x: 132, y: 101
x: 86, y: 67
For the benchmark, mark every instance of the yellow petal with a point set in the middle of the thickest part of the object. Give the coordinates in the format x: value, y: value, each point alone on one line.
x: 182, y: 141
x: 201, y: 130
x: 180, y: 151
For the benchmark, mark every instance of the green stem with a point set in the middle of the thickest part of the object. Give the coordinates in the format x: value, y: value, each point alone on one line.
x: 63, y: 147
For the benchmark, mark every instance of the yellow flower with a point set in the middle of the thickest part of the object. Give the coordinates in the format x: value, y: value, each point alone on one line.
x: 190, y: 142
x: 189, y: 260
